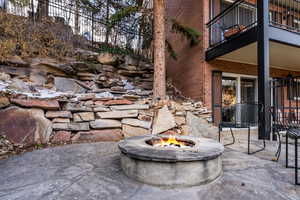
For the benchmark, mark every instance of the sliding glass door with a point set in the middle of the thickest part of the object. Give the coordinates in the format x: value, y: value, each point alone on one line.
x: 236, y: 89
x: 248, y: 87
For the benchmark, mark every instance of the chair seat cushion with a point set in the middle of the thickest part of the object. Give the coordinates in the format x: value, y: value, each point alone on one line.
x: 294, y: 133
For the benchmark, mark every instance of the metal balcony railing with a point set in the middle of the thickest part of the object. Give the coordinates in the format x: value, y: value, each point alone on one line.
x: 235, y: 19
x: 241, y: 15
x: 285, y: 14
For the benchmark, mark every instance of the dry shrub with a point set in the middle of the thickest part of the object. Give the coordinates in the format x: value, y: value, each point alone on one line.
x: 45, y: 38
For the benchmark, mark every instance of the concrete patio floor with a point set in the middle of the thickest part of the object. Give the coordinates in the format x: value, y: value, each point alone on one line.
x: 92, y: 171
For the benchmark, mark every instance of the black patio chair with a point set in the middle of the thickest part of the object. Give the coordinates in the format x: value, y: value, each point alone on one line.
x: 285, y: 121
x: 293, y: 133
x: 242, y: 115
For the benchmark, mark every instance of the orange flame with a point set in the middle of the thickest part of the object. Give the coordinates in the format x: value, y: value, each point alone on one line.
x: 171, y: 141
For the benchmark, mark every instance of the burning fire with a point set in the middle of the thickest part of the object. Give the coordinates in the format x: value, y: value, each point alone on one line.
x: 171, y: 142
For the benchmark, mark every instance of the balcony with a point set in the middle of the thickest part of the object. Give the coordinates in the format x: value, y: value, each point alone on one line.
x: 263, y: 33
x: 235, y: 27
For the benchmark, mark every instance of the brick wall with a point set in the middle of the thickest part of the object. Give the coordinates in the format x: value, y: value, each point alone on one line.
x: 187, y: 72
x: 191, y: 74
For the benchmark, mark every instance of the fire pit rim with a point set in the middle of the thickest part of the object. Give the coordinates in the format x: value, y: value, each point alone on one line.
x: 204, y: 149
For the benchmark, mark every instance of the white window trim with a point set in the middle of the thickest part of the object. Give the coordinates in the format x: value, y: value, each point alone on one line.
x: 238, y: 86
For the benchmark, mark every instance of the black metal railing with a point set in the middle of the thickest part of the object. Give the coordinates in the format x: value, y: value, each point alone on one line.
x: 286, y: 103
x: 286, y: 117
x: 236, y: 18
x: 285, y: 14
x: 94, y: 26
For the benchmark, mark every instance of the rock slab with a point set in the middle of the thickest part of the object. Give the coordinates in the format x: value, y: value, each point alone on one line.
x: 106, y: 135
x: 118, y: 102
x: 117, y: 114
x: 37, y: 103
x: 67, y: 85
x: 198, y: 127
x: 137, y: 123
x: 72, y: 126
x: 4, y: 102
x: 131, y: 107
x: 25, y: 126
x: 164, y: 121
x: 58, y: 114
x: 84, y: 117
x: 61, y: 136
x: 130, y: 131
x: 105, y: 123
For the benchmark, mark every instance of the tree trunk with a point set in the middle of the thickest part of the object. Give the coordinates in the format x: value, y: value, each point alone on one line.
x: 77, y: 27
x: 43, y: 8
x: 106, y: 21
x: 159, y: 87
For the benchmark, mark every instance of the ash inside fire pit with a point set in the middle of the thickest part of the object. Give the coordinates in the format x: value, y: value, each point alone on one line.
x: 171, y: 161
x: 170, y: 141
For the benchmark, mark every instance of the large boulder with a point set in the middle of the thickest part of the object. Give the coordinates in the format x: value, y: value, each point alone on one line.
x: 25, y: 126
x: 199, y: 127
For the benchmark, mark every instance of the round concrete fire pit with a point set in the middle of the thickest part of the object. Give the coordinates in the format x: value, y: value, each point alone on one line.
x: 196, y: 162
